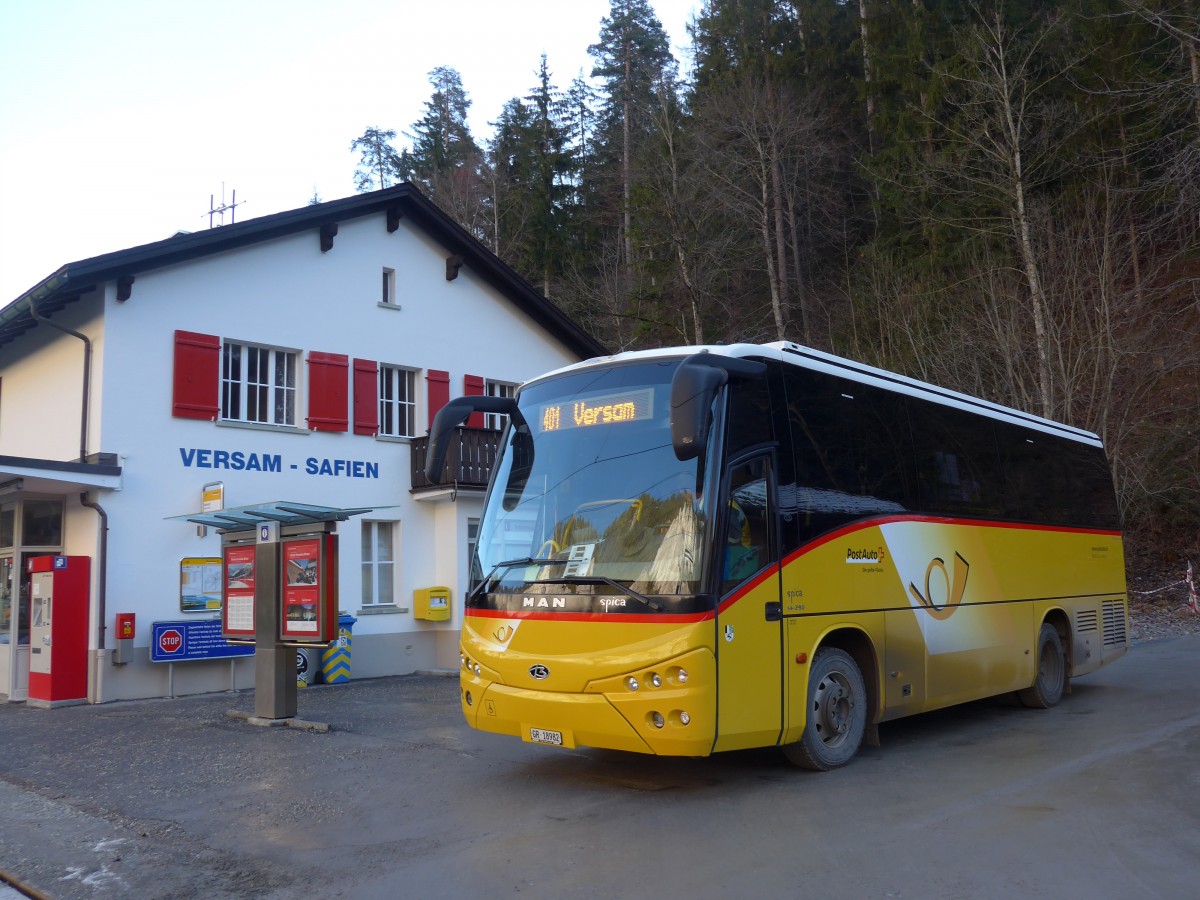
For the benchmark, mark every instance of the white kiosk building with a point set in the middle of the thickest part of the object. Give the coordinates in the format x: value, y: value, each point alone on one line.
x: 294, y: 357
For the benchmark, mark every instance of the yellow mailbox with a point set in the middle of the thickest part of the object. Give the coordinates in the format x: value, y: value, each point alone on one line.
x: 432, y: 604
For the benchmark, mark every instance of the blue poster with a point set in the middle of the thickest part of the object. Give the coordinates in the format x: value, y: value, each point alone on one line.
x: 192, y: 640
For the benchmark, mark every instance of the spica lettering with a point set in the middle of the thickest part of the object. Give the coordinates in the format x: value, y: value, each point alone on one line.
x: 610, y: 602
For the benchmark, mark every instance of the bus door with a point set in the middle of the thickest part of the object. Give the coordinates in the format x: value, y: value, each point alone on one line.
x: 749, y: 621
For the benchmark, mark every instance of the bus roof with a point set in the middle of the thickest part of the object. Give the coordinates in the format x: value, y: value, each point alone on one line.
x: 790, y: 353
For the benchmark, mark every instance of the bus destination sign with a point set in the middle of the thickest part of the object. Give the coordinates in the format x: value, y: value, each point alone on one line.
x: 602, y: 409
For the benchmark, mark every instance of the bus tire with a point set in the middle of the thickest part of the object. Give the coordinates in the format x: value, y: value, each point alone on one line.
x: 836, y: 718
x: 1047, y: 688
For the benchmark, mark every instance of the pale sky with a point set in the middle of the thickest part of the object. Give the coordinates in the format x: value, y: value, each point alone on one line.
x: 119, y: 118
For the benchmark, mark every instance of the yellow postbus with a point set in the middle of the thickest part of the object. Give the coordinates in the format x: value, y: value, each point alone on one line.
x: 692, y: 550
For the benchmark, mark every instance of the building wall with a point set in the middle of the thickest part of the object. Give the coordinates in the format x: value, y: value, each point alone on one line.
x: 285, y: 293
x: 41, y: 386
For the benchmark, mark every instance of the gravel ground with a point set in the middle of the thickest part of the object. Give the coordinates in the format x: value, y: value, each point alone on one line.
x: 1158, y: 601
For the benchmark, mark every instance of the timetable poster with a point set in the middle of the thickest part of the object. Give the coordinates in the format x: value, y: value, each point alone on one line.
x: 302, y: 588
x: 237, y: 614
x: 200, y: 583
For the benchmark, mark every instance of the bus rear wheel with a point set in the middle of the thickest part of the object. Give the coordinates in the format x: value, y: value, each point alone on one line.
x: 836, y: 716
x: 1047, y: 689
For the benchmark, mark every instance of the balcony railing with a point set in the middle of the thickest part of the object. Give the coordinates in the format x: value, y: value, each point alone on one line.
x: 469, y: 459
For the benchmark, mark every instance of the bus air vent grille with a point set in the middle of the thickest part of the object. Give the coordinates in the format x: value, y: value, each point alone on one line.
x: 1114, y: 622
x: 1087, y: 620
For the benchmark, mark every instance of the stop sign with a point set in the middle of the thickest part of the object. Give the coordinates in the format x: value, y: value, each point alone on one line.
x: 170, y: 641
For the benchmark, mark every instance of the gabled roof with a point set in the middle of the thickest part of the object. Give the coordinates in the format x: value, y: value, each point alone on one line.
x: 75, y: 279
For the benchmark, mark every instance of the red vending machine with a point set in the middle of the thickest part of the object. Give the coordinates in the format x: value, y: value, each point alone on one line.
x: 58, y: 627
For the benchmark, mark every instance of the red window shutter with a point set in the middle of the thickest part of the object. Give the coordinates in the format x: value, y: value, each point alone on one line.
x: 197, y: 375
x: 439, y: 391
x: 328, y: 391
x: 366, y: 397
x: 473, y: 387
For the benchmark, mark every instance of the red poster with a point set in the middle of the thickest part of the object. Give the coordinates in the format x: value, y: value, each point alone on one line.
x: 302, y: 588
x: 237, y: 585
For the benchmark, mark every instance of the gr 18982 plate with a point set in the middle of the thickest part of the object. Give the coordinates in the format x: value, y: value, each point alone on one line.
x: 541, y: 736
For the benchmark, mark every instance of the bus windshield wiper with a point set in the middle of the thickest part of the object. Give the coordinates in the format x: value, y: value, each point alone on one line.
x: 611, y: 582
x: 513, y: 564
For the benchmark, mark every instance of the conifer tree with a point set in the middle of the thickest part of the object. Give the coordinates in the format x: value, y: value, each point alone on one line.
x: 379, y: 165
x: 632, y: 56
x: 444, y: 158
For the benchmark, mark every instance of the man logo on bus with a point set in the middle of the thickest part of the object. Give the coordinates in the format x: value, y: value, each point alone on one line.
x: 954, y: 589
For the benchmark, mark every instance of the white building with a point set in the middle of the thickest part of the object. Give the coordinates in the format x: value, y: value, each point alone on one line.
x: 295, y: 357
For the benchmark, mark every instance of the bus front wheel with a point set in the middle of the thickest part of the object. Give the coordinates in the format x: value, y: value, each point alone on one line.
x: 836, y: 716
x: 1047, y: 689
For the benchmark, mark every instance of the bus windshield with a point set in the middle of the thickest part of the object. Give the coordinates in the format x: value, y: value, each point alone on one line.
x: 588, y: 490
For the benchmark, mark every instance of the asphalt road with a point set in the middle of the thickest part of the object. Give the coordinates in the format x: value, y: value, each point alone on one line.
x: 1097, y: 798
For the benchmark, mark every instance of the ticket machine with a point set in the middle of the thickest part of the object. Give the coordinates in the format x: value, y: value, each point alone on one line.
x: 58, y: 628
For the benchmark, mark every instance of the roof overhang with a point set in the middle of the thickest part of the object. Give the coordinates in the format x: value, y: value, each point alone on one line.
x: 76, y: 279
x: 285, y: 512
x: 29, y: 475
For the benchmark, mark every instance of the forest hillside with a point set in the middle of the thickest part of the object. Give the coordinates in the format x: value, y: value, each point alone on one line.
x: 1001, y: 197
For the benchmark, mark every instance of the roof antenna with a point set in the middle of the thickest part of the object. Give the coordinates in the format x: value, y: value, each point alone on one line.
x: 230, y: 207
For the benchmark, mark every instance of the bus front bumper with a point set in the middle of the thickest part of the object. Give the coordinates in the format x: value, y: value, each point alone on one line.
x: 668, y: 723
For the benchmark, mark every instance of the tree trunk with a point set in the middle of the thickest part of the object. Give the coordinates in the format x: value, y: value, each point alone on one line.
x: 781, y: 266
x: 768, y: 251
x: 800, y: 32
x: 867, y: 79
x: 801, y: 294
x: 626, y: 175
x: 1037, y: 294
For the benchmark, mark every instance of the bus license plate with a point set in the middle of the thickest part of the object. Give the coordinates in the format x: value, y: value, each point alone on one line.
x: 541, y: 736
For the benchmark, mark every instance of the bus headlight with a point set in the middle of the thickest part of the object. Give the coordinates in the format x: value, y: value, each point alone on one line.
x: 657, y: 720
x: 632, y: 683
x: 655, y: 680
x: 678, y: 674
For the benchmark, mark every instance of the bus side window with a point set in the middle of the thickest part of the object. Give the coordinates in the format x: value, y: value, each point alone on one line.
x: 747, y: 537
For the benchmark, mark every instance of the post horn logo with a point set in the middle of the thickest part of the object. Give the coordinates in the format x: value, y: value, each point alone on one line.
x: 954, y: 587
x: 503, y: 633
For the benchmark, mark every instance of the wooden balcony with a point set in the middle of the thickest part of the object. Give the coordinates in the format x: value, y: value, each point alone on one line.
x: 469, y: 460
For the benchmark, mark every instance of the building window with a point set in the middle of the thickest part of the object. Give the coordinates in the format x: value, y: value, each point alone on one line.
x: 397, y: 401
x: 497, y: 421
x: 42, y: 523
x: 258, y: 384
x: 389, y: 289
x: 379, y: 563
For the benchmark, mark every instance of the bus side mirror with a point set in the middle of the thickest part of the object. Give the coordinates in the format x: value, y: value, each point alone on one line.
x: 449, y: 418
x: 693, y: 388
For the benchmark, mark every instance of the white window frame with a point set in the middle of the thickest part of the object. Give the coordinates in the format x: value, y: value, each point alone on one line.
x: 388, y: 298
x: 376, y: 572
x: 275, y: 401
x: 397, y: 414
x: 497, y: 421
